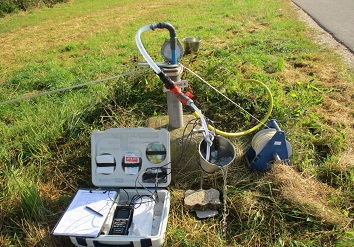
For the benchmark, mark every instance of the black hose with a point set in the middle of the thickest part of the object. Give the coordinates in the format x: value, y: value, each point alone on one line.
x: 170, y: 28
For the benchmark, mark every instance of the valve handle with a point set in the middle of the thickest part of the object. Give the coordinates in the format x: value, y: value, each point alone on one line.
x: 189, y: 94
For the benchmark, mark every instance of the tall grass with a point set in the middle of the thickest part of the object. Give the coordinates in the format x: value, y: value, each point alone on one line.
x: 45, y: 149
x: 23, y: 193
x: 10, y: 6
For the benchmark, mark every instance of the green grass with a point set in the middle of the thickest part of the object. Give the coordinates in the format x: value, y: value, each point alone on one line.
x: 45, y: 141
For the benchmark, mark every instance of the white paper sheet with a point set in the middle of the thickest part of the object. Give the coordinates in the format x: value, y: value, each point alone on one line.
x: 78, y: 220
x: 143, y: 217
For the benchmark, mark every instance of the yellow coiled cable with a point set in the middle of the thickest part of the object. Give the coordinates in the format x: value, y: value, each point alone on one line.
x: 261, y: 122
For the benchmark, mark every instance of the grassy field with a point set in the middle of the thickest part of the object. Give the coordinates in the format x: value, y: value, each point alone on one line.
x: 45, y: 141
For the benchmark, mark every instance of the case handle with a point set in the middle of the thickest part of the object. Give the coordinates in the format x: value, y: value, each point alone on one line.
x: 98, y: 244
x: 145, y: 242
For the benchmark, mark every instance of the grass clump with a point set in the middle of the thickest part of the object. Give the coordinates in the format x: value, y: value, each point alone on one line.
x: 11, y: 6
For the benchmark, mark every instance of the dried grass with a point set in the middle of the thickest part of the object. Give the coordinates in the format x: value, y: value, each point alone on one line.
x: 306, y: 194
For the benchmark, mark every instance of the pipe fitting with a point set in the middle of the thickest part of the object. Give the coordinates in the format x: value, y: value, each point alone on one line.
x: 166, y: 25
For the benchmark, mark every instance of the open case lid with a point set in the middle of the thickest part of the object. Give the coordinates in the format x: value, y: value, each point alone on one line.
x: 131, y: 158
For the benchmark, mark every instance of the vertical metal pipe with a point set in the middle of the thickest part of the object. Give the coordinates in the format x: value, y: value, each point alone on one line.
x: 174, y: 107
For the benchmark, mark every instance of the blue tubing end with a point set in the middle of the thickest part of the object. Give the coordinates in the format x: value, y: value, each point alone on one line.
x: 174, y: 57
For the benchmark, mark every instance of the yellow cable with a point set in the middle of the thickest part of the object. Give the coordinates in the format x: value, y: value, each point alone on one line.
x: 261, y: 122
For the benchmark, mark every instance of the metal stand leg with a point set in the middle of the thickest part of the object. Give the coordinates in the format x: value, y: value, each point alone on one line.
x: 201, y: 179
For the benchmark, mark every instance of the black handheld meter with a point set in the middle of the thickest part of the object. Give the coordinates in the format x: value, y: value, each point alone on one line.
x: 122, y: 220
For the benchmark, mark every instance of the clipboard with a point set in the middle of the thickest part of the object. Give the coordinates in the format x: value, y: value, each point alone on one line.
x: 86, y: 213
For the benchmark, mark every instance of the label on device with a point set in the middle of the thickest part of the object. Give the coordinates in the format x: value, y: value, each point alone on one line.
x: 131, y: 158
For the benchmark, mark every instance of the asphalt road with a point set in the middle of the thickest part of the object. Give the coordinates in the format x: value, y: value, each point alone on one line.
x: 334, y: 16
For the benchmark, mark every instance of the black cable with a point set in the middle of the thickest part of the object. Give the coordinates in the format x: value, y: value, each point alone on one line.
x: 142, y: 186
x: 126, y: 193
x: 136, y: 197
x: 187, y: 139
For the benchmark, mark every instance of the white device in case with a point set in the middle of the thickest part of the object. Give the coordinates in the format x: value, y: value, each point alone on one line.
x: 136, y: 163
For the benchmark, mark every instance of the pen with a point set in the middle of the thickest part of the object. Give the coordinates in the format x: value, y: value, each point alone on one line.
x: 91, y: 209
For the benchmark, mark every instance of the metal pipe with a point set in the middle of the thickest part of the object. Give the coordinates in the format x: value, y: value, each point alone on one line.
x: 173, y: 38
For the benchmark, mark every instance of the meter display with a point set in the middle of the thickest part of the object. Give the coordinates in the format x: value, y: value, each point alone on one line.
x: 167, y: 53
